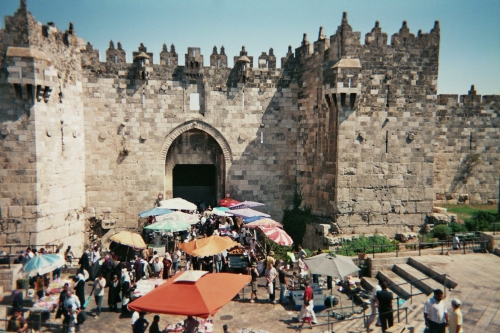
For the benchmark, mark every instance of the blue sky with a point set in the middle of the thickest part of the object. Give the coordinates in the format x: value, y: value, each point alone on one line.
x: 470, y: 39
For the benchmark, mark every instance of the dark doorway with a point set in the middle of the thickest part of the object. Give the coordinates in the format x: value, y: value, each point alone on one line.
x: 195, y: 183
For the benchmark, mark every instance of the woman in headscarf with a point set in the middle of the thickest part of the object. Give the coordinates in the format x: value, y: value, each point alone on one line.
x: 84, y: 263
x: 107, y: 268
x: 80, y: 289
x: 114, y: 293
x: 125, y: 288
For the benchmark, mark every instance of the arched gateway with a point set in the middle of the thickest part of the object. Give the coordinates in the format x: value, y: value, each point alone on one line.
x: 196, y: 158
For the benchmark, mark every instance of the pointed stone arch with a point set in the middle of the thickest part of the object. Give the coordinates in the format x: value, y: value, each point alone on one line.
x: 196, y: 124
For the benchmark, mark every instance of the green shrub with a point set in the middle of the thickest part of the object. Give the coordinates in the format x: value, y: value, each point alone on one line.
x: 441, y: 232
x: 481, y: 221
x: 457, y: 227
x: 366, y: 244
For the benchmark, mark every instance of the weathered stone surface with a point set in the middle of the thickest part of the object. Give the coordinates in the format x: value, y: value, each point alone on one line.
x: 359, y: 127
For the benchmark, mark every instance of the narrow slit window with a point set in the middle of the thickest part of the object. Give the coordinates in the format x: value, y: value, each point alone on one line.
x: 386, y: 141
x: 342, y: 99
x: 470, y: 141
x: 18, y: 91
x: 352, y: 100
x: 387, y: 97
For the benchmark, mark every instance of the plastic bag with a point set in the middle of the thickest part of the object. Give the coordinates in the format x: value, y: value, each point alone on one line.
x: 270, y: 288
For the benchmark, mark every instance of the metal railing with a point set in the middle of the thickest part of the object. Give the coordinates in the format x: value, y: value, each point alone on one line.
x: 473, y: 244
x: 5, y: 259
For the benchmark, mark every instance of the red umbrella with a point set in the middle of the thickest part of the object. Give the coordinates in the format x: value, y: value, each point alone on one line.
x: 277, y: 235
x: 201, y: 298
x: 228, y: 202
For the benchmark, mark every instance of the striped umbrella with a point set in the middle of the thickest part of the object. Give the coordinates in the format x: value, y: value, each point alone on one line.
x: 277, y: 235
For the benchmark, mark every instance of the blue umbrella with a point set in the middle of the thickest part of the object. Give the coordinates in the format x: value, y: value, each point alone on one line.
x: 155, y: 211
x: 42, y: 264
x: 252, y: 219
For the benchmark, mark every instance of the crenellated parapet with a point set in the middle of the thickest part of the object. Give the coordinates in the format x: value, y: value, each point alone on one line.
x: 116, y: 55
x: 218, y: 60
x: 169, y: 58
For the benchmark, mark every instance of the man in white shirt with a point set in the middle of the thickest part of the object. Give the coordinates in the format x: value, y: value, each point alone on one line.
x: 435, y: 313
x: 157, y: 267
x: 98, y: 289
x: 176, y: 258
x: 71, y: 300
x: 373, y: 315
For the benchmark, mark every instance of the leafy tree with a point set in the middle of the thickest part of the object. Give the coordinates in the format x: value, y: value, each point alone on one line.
x: 441, y: 232
x: 480, y: 221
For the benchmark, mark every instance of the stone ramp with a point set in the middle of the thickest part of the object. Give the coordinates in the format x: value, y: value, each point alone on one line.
x: 417, y: 278
x: 396, y: 283
x: 436, y: 273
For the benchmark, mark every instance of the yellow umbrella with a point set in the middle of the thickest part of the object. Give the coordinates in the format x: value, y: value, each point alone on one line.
x: 209, y: 246
x: 129, y: 238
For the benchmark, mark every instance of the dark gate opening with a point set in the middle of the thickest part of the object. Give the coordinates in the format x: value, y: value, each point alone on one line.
x: 195, y: 183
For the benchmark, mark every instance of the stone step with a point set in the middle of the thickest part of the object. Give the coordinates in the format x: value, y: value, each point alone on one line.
x: 417, y: 278
x: 431, y: 272
x: 396, y: 283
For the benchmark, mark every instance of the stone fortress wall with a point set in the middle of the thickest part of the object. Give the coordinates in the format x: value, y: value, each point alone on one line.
x: 358, y: 127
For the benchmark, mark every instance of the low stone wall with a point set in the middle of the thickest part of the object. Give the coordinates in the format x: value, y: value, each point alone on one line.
x: 9, y: 276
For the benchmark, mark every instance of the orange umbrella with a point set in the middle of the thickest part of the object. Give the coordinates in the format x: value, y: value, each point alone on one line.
x: 208, y: 246
x: 200, y: 298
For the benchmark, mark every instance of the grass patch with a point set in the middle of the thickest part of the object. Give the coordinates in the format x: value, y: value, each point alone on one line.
x: 465, y: 212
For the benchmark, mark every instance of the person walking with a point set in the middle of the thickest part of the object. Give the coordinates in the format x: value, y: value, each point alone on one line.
x: 98, y: 290
x: 68, y: 256
x: 384, y: 301
x: 155, y: 325
x: 283, y: 282
x: 435, y: 313
x: 176, y: 258
x: 114, y: 293
x: 80, y: 289
x: 309, y: 296
x: 373, y: 315
x: 271, y: 285
x: 456, y: 318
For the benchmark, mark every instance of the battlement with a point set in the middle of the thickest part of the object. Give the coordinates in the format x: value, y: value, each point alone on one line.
x: 472, y: 102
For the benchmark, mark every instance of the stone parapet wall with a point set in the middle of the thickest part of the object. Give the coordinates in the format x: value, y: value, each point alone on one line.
x: 467, y: 149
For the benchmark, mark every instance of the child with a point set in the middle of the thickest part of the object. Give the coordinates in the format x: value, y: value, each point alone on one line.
x: 306, y: 314
x: 292, y: 281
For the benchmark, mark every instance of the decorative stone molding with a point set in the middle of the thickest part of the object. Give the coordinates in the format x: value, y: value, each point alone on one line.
x: 196, y: 124
x: 144, y: 136
x: 103, y: 135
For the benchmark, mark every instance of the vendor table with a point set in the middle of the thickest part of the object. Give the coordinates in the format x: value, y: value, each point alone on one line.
x: 56, y: 286
x: 145, y: 286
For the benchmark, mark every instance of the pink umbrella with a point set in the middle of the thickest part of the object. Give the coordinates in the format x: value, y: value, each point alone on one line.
x: 277, y: 235
x: 265, y: 222
x: 247, y: 212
